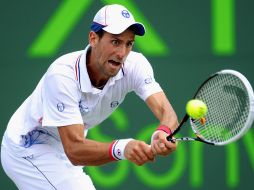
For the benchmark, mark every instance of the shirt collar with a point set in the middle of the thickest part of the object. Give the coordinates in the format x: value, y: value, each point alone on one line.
x: 83, y: 77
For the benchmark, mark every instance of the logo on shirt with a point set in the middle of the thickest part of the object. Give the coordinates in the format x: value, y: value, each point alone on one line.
x: 82, y: 107
x: 148, y: 80
x: 60, y: 106
x: 114, y: 104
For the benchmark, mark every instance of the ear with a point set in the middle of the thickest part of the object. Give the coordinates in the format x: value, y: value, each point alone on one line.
x: 93, y: 38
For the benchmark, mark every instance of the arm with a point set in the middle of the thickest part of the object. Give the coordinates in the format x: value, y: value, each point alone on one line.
x: 82, y: 151
x: 163, y: 110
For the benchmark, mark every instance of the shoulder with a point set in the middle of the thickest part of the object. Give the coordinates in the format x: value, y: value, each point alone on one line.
x: 135, y: 57
x: 65, y: 64
x: 69, y: 56
x: 136, y: 62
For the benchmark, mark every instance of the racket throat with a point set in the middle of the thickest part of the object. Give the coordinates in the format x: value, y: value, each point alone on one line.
x: 192, y: 139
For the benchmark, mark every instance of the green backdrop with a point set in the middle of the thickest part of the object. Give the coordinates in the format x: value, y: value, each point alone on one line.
x: 186, y: 41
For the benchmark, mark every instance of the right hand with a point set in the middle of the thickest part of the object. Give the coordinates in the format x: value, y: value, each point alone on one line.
x: 161, y: 146
x: 138, y: 152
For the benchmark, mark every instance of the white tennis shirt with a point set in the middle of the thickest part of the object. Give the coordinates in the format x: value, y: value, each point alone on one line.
x: 65, y: 96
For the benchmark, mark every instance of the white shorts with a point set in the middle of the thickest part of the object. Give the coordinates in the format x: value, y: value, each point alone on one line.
x: 48, y: 170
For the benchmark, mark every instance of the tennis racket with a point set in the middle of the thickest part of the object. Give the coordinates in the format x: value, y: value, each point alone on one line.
x: 230, y: 101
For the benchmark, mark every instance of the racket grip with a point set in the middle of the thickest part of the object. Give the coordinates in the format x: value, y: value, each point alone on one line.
x: 169, y: 137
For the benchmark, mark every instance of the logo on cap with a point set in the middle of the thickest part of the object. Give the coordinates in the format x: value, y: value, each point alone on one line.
x: 125, y: 14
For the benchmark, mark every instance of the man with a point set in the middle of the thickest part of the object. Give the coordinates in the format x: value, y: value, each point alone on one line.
x: 44, y: 146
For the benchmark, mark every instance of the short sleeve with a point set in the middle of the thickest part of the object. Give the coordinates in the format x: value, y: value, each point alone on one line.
x: 61, y: 97
x: 144, y: 81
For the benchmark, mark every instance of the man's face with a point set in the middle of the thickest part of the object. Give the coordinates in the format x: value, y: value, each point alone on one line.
x: 110, y: 52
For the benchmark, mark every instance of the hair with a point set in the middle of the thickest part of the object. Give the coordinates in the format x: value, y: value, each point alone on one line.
x: 100, y: 33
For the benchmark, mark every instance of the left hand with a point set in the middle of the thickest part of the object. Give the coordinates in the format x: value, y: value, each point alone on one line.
x: 160, y: 145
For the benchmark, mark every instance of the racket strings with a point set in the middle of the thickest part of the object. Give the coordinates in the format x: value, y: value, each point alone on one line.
x: 228, y: 107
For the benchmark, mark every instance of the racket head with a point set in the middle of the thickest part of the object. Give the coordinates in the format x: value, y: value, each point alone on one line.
x: 230, y: 101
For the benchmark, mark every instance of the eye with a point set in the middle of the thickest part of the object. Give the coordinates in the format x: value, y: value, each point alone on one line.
x: 115, y: 42
x: 130, y: 44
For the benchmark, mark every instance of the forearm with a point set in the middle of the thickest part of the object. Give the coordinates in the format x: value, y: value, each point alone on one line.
x: 89, y: 152
x: 82, y: 151
x: 167, y: 116
x: 163, y: 110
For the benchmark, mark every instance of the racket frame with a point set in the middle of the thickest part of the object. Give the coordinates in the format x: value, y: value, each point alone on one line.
x: 248, y: 122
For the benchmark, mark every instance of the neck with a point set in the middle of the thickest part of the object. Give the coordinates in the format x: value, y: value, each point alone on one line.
x: 95, y: 78
x: 100, y: 87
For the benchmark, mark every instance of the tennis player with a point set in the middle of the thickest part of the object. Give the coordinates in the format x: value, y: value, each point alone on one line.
x: 45, y: 145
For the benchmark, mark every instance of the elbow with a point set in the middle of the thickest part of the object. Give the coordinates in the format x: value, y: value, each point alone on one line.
x: 70, y: 153
x: 74, y: 162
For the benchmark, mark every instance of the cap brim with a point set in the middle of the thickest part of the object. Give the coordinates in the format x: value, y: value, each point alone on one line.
x: 137, y: 27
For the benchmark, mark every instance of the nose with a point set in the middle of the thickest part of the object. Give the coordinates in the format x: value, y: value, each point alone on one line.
x: 121, y: 52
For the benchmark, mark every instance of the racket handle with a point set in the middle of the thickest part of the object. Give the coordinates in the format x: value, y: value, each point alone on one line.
x: 169, y: 138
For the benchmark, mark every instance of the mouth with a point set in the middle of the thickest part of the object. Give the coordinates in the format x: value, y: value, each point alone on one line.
x: 114, y: 63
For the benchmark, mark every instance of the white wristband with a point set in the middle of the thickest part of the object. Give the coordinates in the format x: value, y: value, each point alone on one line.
x: 118, y: 147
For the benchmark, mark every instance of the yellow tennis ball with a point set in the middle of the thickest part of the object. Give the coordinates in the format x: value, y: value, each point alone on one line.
x: 196, y: 109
